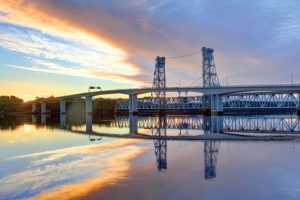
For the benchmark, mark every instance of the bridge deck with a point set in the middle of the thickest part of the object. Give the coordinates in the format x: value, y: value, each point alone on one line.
x: 206, y: 90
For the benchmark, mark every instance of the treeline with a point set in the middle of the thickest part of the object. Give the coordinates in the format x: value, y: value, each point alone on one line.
x: 12, y: 104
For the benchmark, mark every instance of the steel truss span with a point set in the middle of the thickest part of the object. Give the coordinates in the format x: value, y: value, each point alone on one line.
x: 281, y: 100
x: 270, y: 124
x: 240, y: 101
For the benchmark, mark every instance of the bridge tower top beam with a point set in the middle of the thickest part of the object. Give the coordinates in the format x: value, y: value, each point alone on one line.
x: 209, y: 72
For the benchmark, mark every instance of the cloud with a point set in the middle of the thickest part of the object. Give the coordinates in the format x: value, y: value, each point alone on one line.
x: 79, y: 60
x: 134, y: 34
x: 238, y: 30
x: 57, y: 69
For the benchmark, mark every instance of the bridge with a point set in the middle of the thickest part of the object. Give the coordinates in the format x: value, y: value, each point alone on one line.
x: 213, y: 99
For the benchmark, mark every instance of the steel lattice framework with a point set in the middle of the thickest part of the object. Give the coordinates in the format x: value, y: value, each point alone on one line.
x: 240, y: 101
x: 170, y: 103
x: 159, y: 80
x: 209, y: 72
x: 210, y: 79
x: 280, y: 100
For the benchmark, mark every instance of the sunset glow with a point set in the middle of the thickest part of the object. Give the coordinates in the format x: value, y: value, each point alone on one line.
x: 66, y: 47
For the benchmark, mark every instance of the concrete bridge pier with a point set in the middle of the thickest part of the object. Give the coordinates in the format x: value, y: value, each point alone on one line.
x: 133, y: 104
x: 133, y: 124
x: 89, y: 123
x: 43, y: 108
x: 62, y: 117
x: 33, y: 107
x: 62, y: 107
x: 89, y: 113
x: 89, y: 105
x: 216, y: 104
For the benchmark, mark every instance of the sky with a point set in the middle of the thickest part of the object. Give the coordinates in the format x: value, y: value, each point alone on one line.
x: 59, y: 47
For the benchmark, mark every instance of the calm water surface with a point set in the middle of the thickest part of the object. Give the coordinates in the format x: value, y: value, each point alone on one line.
x: 42, y: 160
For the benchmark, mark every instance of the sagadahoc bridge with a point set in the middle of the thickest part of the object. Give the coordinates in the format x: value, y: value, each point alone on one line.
x: 213, y: 98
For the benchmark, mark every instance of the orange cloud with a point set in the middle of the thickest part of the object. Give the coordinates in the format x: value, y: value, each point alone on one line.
x: 113, y: 64
x: 121, y: 30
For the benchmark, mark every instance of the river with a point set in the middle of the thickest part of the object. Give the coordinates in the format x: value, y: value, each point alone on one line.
x: 45, y: 159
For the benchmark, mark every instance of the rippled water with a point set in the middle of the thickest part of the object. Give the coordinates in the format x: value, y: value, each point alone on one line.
x: 51, y: 159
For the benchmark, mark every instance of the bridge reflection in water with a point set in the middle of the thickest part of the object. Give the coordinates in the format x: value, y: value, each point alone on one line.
x: 159, y: 126
x: 213, y: 124
x: 211, y: 148
x: 160, y: 145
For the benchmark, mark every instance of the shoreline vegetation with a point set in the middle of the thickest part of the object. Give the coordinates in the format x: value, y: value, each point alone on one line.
x: 12, y: 105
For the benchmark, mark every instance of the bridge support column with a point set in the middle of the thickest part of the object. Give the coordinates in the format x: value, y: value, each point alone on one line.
x: 89, y: 105
x: 89, y: 113
x: 89, y: 123
x: 133, y: 104
x: 62, y: 116
x: 43, y: 108
x: 33, y: 107
x: 216, y: 104
x: 62, y: 107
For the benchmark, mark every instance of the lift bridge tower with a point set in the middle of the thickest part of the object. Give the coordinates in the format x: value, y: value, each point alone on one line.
x: 209, y: 76
x: 159, y: 82
x: 209, y: 72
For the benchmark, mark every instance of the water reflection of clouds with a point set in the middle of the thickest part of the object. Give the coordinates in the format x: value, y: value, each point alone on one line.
x: 55, y: 170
